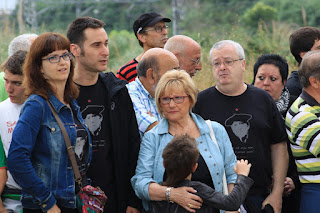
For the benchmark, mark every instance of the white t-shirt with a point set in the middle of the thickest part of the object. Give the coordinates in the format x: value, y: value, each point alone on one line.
x: 9, y: 117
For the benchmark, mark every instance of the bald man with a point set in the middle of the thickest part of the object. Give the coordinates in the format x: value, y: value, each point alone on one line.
x: 154, y: 63
x: 188, y: 52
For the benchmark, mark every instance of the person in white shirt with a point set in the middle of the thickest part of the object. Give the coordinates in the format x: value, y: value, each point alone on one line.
x: 10, y: 110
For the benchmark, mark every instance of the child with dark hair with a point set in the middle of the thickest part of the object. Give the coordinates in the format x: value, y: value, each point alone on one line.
x: 180, y: 158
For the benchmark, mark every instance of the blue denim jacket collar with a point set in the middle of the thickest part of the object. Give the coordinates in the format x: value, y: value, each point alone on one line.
x: 201, y: 124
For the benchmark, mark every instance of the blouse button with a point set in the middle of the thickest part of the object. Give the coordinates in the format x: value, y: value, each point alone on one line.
x: 217, y: 173
x: 210, y: 157
x: 218, y: 182
x: 214, y: 164
x: 200, y: 141
x: 205, y: 150
x: 53, y: 129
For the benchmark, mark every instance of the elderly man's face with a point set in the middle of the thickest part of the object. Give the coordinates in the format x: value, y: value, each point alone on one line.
x: 227, y: 67
x: 190, y: 60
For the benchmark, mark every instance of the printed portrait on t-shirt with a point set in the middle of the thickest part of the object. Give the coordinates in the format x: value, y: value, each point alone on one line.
x: 240, y: 125
x: 93, y: 117
x: 82, y: 139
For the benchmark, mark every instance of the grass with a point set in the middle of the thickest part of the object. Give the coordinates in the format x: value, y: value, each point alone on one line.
x: 124, y: 46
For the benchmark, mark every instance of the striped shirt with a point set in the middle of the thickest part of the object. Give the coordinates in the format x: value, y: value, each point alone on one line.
x: 303, y: 129
x: 128, y: 72
x: 143, y: 103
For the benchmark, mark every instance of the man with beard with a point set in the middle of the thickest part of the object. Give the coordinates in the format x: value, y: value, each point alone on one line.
x: 116, y: 147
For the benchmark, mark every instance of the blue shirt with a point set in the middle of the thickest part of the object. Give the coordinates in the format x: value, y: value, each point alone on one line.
x: 150, y: 163
x: 142, y: 103
x: 38, y: 158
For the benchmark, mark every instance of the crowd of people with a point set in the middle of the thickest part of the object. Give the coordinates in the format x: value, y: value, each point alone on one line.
x: 146, y: 136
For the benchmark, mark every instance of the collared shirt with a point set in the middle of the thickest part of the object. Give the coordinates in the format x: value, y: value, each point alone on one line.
x: 143, y: 103
x: 303, y: 129
x: 150, y: 163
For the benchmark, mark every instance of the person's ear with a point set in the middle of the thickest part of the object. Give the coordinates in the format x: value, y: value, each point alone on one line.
x: 142, y: 37
x: 195, y: 167
x: 75, y: 49
x: 151, y: 76
x: 314, y: 82
x: 302, y: 54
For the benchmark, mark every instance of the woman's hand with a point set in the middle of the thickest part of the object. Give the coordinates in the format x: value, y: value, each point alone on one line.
x: 54, y: 209
x: 184, y: 197
x: 288, y: 186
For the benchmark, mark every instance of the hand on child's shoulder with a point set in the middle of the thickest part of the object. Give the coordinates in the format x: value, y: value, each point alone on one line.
x: 242, y: 167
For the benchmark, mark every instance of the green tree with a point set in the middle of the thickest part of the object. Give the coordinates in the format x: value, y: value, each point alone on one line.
x: 260, y: 13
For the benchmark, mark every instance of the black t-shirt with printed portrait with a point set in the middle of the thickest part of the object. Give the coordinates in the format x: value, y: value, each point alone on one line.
x: 94, y: 101
x: 253, y: 123
x: 81, y: 150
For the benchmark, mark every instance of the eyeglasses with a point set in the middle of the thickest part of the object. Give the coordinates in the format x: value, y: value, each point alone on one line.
x: 176, y: 99
x: 56, y: 58
x: 228, y: 63
x: 197, y: 62
x: 158, y: 29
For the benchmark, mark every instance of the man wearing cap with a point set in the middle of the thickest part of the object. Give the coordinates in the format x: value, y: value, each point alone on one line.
x: 154, y: 63
x: 188, y: 52
x: 253, y: 122
x: 151, y: 31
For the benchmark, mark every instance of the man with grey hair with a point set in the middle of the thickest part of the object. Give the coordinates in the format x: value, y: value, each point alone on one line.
x: 154, y: 63
x: 188, y: 52
x: 21, y: 42
x: 303, y: 127
x: 245, y: 108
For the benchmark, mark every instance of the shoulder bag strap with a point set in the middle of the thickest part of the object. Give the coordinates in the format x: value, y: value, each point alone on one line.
x: 224, y: 179
x: 71, y: 153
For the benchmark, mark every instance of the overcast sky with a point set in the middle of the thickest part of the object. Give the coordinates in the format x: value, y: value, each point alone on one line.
x: 7, y: 4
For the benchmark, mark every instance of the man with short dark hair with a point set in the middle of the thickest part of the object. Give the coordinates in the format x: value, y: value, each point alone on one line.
x: 10, y: 108
x: 303, y: 127
x: 301, y: 41
x: 253, y: 123
x: 151, y: 31
x: 154, y: 63
x: 188, y: 52
x: 115, y: 138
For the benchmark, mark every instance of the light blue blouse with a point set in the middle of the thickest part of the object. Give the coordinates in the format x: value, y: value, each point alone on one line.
x: 150, y: 163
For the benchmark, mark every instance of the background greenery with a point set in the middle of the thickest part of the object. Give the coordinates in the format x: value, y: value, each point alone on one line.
x: 259, y: 26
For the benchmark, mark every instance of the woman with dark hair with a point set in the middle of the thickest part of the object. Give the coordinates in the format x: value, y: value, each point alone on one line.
x: 38, y: 158
x: 270, y: 74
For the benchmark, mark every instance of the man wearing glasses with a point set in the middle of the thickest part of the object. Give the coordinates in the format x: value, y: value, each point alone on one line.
x: 188, y: 52
x: 232, y: 100
x: 151, y: 31
x: 154, y: 63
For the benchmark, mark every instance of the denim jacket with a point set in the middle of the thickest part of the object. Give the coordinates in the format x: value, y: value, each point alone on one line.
x: 38, y: 158
x: 150, y: 163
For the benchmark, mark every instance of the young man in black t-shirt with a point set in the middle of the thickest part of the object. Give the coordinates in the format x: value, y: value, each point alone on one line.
x: 108, y: 112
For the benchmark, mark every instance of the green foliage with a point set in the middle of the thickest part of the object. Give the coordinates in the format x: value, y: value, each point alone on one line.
x: 123, y: 46
x: 260, y: 13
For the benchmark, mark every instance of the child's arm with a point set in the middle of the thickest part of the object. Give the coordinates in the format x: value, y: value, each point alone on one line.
x: 237, y: 196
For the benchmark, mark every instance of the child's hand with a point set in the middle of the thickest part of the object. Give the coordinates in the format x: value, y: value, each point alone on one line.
x: 242, y: 168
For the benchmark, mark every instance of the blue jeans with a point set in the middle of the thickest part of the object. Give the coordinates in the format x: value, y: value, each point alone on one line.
x: 310, y: 197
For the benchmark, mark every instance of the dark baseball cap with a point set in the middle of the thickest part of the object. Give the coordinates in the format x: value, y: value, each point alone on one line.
x: 147, y: 20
